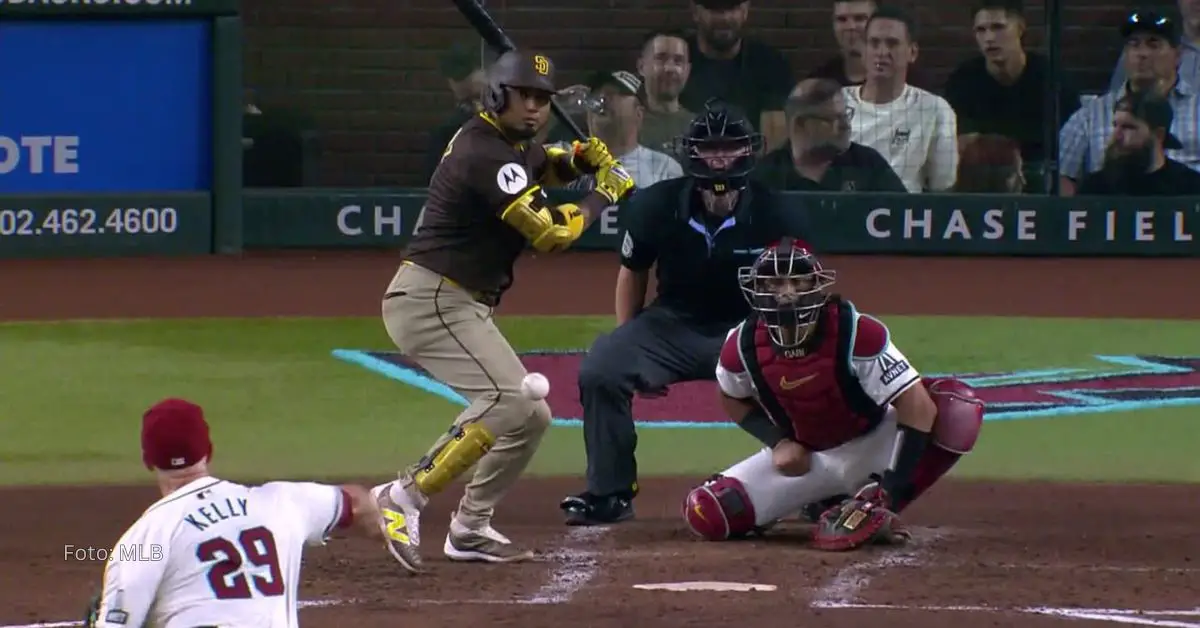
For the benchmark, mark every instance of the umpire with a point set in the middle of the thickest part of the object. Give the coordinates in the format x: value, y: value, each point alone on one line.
x: 485, y: 206
x: 698, y: 230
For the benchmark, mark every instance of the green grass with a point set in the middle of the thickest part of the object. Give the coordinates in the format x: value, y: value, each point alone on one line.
x: 281, y: 406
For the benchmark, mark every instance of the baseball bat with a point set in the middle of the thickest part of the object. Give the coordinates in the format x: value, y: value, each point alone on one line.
x: 491, y: 33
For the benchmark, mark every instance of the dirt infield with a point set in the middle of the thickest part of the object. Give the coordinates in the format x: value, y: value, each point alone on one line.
x: 1019, y: 555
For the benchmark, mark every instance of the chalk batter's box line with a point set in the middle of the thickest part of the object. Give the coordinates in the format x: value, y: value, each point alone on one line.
x: 996, y: 413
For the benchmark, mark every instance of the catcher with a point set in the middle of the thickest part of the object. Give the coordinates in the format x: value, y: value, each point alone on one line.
x: 838, y: 407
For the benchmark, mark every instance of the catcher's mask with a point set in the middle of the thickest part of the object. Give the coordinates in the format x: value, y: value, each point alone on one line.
x: 787, y: 287
x: 721, y: 147
x: 520, y: 70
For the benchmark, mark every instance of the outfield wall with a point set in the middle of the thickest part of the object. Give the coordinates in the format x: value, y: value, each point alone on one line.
x: 190, y: 223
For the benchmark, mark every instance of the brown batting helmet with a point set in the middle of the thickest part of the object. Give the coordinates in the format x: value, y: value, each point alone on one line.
x: 518, y: 69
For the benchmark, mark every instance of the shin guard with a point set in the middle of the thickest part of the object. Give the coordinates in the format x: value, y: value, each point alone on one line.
x: 466, y: 445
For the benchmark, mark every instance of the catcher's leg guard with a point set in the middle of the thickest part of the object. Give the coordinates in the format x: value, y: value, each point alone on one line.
x: 959, y: 419
x: 719, y: 510
x: 464, y: 447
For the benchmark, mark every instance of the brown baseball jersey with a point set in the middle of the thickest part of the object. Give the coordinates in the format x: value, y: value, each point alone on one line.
x: 461, y: 236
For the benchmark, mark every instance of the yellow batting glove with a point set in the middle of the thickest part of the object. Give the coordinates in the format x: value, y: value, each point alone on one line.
x: 613, y: 182
x: 591, y: 155
x: 568, y: 226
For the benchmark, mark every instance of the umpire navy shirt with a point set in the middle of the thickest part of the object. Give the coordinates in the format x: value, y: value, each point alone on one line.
x: 698, y: 255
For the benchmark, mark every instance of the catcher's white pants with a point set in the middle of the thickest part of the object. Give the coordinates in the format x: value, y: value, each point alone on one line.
x: 843, y: 469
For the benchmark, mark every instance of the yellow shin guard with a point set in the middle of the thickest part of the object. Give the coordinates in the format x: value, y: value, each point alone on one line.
x: 467, y: 445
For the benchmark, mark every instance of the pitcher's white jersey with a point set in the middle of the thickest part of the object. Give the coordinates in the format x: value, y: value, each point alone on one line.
x: 216, y: 553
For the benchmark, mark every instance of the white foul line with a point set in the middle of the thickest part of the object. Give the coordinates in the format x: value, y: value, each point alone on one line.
x: 1120, y: 617
x: 1116, y: 615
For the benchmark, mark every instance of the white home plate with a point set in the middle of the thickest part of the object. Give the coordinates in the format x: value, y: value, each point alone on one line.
x: 705, y: 586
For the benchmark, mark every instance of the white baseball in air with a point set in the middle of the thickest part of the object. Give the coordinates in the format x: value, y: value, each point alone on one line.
x: 535, y: 386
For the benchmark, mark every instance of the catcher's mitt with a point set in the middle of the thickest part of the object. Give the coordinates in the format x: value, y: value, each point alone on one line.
x: 856, y: 522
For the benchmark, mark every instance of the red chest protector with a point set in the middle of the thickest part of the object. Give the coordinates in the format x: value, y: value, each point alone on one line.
x: 815, y: 396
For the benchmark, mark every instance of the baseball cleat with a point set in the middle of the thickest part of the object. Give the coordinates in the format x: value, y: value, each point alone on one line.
x: 481, y: 545
x: 587, y: 509
x: 401, y: 526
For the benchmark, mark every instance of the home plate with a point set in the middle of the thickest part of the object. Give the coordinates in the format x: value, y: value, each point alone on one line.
x: 705, y: 586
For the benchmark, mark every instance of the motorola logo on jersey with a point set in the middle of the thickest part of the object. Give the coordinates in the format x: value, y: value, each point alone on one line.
x: 512, y: 178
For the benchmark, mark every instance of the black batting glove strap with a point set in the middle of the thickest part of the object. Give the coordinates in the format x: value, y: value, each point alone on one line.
x: 760, y: 426
x: 907, y: 452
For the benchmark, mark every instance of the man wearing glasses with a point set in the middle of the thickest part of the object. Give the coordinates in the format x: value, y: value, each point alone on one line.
x: 1152, y: 54
x: 819, y: 155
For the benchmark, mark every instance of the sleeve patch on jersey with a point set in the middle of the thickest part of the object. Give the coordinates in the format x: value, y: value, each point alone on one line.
x: 870, y: 338
x: 116, y: 616
x: 512, y: 178
x: 890, y: 368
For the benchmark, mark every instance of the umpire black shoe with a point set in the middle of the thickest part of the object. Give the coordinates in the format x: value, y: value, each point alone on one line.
x: 587, y: 509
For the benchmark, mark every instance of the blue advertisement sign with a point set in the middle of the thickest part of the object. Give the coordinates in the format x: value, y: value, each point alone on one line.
x: 105, y: 106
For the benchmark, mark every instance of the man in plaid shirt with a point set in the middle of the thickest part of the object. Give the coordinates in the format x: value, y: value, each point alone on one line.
x: 1152, y: 53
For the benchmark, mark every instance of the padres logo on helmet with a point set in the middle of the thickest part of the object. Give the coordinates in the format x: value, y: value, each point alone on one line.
x: 541, y: 65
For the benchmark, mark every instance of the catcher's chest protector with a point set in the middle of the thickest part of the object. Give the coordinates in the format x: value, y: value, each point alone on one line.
x: 817, y: 392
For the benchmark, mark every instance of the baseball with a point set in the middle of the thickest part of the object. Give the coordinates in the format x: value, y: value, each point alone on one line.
x: 535, y: 386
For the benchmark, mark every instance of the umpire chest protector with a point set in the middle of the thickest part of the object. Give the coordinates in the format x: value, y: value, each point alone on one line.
x: 815, y: 397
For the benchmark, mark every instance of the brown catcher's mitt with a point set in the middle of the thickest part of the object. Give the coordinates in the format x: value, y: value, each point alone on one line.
x: 856, y: 522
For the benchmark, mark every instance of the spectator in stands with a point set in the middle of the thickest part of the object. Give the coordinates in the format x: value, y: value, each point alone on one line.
x: 849, y: 31
x: 819, y: 155
x: 1002, y: 90
x: 915, y: 130
x: 278, y: 145
x: 737, y: 69
x: 1189, y: 53
x: 1135, y: 161
x: 462, y: 67
x: 989, y: 164
x: 1151, y: 63
x: 664, y: 66
x: 618, y: 124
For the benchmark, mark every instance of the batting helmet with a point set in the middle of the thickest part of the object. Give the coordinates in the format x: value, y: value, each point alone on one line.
x: 524, y: 70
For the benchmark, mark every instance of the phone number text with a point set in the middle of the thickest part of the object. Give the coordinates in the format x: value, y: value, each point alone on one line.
x: 81, y: 222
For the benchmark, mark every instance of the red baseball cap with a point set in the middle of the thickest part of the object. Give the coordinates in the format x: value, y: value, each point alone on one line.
x: 174, y: 435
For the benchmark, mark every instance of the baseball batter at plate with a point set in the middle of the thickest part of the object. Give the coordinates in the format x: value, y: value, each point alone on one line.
x: 847, y: 422
x: 213, y: 552
x: 485, y: 206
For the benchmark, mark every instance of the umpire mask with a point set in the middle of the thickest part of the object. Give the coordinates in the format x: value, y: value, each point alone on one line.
x: 721, y: 148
